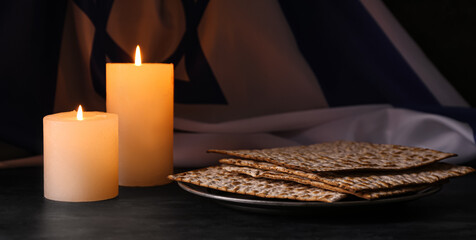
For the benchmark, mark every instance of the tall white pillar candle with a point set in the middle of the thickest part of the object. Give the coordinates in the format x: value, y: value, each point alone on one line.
x: 142, y: 95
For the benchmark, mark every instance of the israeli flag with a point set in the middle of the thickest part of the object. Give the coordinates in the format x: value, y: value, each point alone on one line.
x: 269, y: 73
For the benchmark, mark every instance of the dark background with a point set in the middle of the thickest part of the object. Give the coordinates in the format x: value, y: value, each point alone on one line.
x: 446, y: 31
x: 31, y: 36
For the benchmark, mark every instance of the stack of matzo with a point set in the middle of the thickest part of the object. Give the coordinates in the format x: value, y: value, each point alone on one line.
x: 327, y: 172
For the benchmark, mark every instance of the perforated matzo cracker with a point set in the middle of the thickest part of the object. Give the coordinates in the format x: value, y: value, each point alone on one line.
x: 365, y: 181
x: 343, y: 155
x: 258, y: 173
x: 218, y: 178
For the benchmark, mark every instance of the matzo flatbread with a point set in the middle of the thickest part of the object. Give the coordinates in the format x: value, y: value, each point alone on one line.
x: 366, y: 181
x: 392, y: 192
x: 343, y: 155
x: 217, y: 178
x: 257, y: 173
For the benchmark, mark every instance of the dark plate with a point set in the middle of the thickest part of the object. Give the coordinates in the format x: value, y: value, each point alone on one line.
x: 257, y: 204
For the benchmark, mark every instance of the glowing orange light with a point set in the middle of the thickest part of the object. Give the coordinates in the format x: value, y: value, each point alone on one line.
x: 138, y: 58
x: 79, y: 116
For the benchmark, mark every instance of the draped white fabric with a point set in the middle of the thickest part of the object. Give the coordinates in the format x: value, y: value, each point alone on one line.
x: 372, y: 123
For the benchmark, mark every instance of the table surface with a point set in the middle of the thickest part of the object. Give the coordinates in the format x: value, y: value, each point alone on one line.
x: 172, y: 213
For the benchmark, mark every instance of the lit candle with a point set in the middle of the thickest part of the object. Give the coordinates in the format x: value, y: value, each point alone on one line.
x: 80, y: 156
x: 142, y: 95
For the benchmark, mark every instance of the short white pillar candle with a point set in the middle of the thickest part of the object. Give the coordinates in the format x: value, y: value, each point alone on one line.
x: 80, y: 156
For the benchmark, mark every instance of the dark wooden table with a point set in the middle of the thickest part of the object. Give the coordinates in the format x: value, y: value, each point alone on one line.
x: 168, y: 212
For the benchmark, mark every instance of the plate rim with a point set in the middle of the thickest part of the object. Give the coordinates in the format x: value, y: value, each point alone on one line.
x: 237, y: 199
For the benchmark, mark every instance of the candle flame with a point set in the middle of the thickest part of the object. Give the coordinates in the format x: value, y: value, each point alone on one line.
x: 138, y: 58
x: 79, y: 115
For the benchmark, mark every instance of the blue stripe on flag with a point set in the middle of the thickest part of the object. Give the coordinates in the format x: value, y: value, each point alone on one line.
x: 354, y: 61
